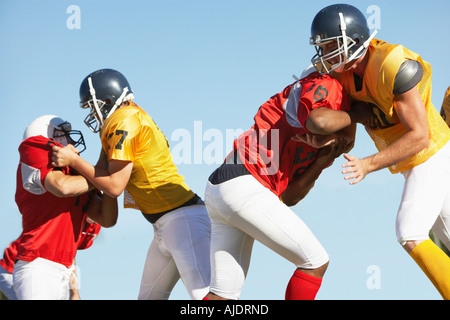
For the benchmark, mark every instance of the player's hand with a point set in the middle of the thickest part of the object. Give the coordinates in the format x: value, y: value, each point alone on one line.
x: 356, y: 169
x: 338, y: 147
x: 327, y: 154
x: 62, y: 157
x: 314, y: 140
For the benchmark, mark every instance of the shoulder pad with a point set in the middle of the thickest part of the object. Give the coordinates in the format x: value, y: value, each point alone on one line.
x: 408, y: 76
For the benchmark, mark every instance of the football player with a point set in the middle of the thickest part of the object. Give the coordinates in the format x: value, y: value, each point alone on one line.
x: 243, y: 195
x: 410, y: 135
x: 138, y: 160
x: 89, y: 232
x: 54, y: 203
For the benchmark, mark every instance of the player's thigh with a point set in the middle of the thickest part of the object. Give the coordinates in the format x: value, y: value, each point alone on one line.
x: 442, y: 225
x: 276, y: 226
x: 186, y: 234
x: 160, y: 274
x: 250, y: 207
x: 6, y: 284
x: 424, y: 198
x: 231, y: 250
x: 41, y: 279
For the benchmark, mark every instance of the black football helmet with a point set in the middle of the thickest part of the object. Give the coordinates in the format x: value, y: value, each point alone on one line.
x: 103, y: 91
x: 345, y: 25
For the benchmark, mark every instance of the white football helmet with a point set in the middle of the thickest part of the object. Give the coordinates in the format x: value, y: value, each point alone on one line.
x: 57, y: 129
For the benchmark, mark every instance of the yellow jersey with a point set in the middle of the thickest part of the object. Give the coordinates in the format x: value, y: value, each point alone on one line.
x: 155, y: 185
x: 377, y: 88
x: 445, y: 108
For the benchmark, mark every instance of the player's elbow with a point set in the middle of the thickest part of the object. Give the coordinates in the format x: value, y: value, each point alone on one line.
x: 290, y: 202
x: 317, y: 125
x: 108, y: 223
x: 113, y: 190
x: 422, y: 139
x: 425, y: 142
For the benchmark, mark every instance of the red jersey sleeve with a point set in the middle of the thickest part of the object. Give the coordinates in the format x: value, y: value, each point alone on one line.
x: 89, y: 232
x: 35, y: 162
x: 320, y: 91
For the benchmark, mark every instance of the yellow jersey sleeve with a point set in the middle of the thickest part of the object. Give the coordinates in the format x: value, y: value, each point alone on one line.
x: 127, y: 138
x: 377, y: 88
x: 155, y: 185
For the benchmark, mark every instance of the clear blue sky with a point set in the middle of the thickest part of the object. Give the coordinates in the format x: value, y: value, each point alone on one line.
x: 203, y: 67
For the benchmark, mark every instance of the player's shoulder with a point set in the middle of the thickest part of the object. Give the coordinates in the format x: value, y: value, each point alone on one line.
x: 315, y: 79
x: 391, y: 58
x: 36, y: 147
x: 39, y: 142
x: 125, y: 118
x: 322, y: 88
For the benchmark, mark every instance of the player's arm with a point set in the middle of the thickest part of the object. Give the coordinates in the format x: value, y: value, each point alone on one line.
x: 320, y: 141
x: 325, y: 121
x: 412, y: 114
x: 111, y: 178
x: 62, y: 185
x: 300, y: 187
x: 324, y: 125
x: 104, y: 210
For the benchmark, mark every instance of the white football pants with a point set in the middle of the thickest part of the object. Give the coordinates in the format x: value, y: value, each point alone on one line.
x: 425, y: 201
x: 41, y: 279
x: 241, y: 210
x: 180, y: 248
x: 6, y: 284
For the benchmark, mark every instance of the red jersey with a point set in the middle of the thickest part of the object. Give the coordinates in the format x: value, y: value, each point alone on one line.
x: 89, y: 232
x: 51, y: 225
x: 9, y: 256
x: 265, y: 149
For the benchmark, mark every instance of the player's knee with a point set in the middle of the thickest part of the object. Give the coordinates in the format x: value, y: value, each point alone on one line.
x: 321, y: 270
x: 318, y: 272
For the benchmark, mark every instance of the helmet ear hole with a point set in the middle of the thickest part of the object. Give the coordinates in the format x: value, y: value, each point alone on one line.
x: 356, y: 38
x: 107, y: 101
